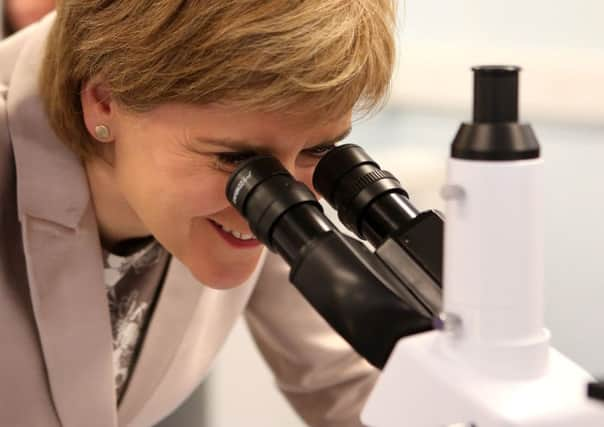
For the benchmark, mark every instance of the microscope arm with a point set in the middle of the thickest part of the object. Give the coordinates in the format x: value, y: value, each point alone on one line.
x: 348, y: 287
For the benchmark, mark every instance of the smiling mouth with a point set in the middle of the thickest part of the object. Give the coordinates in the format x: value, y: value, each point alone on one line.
x: 236, y: 234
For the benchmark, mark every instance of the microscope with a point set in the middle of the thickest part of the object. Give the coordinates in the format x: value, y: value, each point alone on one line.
x: 470, y: 350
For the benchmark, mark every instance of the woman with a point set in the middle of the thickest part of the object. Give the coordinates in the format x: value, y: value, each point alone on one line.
x: 122, y: 265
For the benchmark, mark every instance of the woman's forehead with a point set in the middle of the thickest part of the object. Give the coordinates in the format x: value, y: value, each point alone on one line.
x: 217, y: 115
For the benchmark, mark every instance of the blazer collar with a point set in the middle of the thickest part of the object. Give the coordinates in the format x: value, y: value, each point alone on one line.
x: 51, y: 181
x: 62, y: 251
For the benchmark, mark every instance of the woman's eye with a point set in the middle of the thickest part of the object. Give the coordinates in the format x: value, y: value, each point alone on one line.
x: 320, y: 150
x: 230, y: 160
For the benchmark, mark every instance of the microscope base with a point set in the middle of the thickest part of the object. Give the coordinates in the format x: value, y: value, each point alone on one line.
x: 425, y: 385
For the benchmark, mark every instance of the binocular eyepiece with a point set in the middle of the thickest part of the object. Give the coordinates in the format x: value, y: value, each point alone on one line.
x: 351, y: 287
x: 284, y: 214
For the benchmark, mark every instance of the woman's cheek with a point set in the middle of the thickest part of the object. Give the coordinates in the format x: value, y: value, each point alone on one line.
x: 304, y: 174
x: 206, y: 196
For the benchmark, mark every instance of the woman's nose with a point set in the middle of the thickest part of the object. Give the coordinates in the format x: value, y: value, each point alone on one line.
x: 303, y: 174
x: 288, y: 163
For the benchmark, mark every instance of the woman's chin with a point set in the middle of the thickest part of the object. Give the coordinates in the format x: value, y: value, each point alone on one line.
x: 227, y: 277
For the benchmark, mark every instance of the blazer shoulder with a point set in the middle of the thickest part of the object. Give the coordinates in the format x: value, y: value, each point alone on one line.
x: 10, y: 50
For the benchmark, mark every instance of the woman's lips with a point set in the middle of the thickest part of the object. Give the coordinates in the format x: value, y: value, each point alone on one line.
x: 232, y: 240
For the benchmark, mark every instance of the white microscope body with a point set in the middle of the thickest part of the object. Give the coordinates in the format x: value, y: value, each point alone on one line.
x: 491, y: 363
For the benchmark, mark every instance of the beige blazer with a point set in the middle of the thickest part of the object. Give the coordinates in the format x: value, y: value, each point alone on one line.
x: 55, y: 337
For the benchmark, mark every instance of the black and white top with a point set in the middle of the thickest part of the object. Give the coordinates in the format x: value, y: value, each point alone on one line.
x: 132, y: 282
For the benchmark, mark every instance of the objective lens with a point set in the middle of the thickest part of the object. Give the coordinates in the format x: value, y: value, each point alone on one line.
x: 282, y: 212
x: 369, y: 200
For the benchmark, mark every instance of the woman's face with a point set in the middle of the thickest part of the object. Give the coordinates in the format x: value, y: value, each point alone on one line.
x: 171, y: 167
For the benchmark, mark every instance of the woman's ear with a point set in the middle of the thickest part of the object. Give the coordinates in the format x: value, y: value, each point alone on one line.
x: 98, y: 109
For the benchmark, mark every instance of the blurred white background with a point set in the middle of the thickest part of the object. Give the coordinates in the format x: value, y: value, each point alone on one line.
x: 560, y: 45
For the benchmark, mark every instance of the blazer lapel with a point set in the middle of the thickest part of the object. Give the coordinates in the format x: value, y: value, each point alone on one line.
x: 63, y: 255
x: 173, y: 312
x: 72, y: 316
x: 181, y: 298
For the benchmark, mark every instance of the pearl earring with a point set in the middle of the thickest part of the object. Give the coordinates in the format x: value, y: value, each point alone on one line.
x: 102, y: 132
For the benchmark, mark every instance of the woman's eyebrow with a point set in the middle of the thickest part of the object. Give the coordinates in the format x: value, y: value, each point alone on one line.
x: 250, y: 146
x: 337, y: 139
x: 232, y: 144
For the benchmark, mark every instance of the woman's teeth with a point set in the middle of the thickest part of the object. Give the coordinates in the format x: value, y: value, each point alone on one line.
x: 238, y: 235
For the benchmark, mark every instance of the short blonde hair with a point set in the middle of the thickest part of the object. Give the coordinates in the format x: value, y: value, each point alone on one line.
x: 264, y: 55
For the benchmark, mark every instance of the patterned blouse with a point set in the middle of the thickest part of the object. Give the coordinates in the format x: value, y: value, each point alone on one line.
x: 133, y: 282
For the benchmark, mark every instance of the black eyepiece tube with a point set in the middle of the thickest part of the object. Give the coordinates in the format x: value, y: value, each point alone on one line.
x: 294, y: 230
x: 495, y: 93
x: 369, y: 200
x: 387, y: 214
